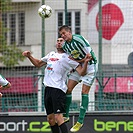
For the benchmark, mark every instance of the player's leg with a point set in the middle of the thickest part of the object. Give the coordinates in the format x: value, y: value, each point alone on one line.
x: 58, y: 101
x: 88, y: 80
x: 83, y: 108
x: 61, y: 123
x: 84, y: 103
x: 71, y: 85
x: 49, y: 110
x: 74, y: 78
x: 54, y: 126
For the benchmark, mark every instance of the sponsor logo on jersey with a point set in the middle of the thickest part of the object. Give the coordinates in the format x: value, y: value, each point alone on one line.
x: 75, y: 54
x: 53, y: 59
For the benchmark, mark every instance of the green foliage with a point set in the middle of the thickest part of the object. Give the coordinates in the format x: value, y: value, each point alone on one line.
x: 5, y: 5
x: 10, y: 55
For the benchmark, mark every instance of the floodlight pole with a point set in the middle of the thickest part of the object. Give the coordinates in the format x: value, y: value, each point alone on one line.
x: 66, y: 19
x: 100, y: 72
x: 42, y: 55
x: 43, y: 33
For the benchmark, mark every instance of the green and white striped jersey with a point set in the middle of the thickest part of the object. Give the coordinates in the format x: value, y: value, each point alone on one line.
x: 78, y: 48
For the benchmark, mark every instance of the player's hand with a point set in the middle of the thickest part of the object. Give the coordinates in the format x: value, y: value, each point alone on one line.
x: 88, y: 57
x: 0, y: 94
x: 70, y: 57
x: 1, y: 87
x: 26, y: 53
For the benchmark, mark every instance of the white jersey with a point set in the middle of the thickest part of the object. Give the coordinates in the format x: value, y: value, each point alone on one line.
x: 3, y: 81
x: 58, y: 65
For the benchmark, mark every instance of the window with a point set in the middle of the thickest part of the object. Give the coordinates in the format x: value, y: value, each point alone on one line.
x: 77, y: 22
x: 15, y: 23
x: 21, y: 19
x: 73, y: 20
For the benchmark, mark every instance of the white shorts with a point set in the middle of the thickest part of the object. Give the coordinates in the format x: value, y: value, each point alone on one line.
x: 88, y: 79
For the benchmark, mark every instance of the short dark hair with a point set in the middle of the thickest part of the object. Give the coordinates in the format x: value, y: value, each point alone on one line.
x: 66, y: 27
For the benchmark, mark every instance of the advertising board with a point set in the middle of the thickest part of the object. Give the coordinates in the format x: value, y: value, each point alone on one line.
x: 93, y: 123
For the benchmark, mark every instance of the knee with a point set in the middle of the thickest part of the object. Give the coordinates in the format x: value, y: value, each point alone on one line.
x: 69, y: 91
x: 85, y: 91
x: 59, y: 119
x: 51, y: 121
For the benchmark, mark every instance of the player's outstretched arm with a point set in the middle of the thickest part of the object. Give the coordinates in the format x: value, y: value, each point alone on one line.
x: 4, y: 83
x: 34, y: 61
x: 6, y: 86
x: 82, y: 70
x: 0, y: 94
x: 82, y: 60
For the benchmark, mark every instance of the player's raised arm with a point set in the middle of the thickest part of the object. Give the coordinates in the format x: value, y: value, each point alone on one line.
x: 6, y: 86
x: 82, y: 70
x: 82, y: 60
x: 34, y: 61
x: 0, y: 94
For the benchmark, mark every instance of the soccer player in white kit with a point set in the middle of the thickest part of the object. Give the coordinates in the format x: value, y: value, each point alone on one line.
x: 4, y: 84
x: 58, y: 64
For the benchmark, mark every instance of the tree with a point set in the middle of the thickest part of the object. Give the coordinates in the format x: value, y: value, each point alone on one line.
x: 10, y: 55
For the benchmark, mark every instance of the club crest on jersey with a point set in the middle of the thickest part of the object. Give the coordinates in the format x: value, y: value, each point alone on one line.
x: 75, y: 54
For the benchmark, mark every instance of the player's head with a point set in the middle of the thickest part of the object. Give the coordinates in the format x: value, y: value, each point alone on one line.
x: 65, y: 32
x: 59, y: 43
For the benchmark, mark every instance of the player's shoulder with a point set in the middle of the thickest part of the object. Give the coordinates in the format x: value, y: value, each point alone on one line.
x: 65, y: 54
x: 65, y: 57
x: 78, y: 37
x: 52, y: 52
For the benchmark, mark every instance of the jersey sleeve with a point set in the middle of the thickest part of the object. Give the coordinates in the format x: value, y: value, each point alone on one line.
x: 45, y: 58
x: 87, y: 48
x: 3, y: 81
x: 70, y: 64
x: 73, y: 64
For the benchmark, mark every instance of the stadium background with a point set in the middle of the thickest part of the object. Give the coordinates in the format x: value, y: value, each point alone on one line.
x: 107, y: 24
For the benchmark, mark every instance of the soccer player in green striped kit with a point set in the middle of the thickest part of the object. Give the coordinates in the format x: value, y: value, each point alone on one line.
x: 78, y: 47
